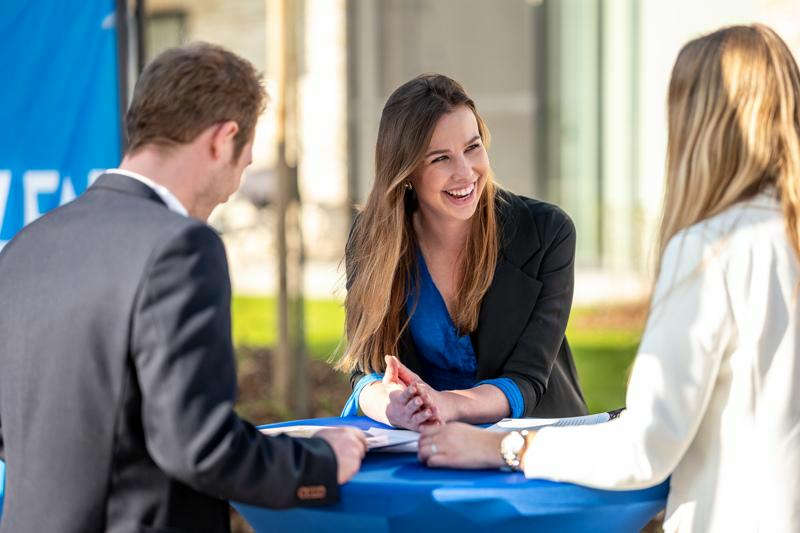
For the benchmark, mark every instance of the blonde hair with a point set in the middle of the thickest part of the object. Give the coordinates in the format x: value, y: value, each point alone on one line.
x: 734, y: 128
x: 381, y: 252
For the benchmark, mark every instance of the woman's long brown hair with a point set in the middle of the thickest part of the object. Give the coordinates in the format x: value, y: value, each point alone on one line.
x: 381, y: 252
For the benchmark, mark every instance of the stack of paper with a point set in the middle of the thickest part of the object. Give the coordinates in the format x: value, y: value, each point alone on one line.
x: 392, y: 440
x: 404, y: 441
x: 293, y: 431
x: 517, y: 424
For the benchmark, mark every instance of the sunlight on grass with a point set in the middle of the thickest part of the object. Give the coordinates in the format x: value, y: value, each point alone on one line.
x: 603, y: 355
x: 255, y: 323
x: 603, y: 359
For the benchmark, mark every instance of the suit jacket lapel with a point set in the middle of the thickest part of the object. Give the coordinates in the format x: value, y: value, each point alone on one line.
x: 509, y: 302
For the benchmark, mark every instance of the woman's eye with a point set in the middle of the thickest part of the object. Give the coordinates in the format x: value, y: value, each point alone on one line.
x: 472, y: 147
x: 440, y: 158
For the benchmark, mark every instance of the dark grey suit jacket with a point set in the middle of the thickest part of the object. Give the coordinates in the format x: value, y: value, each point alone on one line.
x: 117, y: 378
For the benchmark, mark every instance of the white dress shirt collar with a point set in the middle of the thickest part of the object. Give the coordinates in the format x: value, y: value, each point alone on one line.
x: 173, y: 204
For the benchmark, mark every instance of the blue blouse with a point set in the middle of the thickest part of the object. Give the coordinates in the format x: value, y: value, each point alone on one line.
x: 449, y: 361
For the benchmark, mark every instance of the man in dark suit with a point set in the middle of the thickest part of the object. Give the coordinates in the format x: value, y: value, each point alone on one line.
x: 117, y: 379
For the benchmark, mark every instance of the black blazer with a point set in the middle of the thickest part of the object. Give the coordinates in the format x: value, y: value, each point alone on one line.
x: 117, y: 378
x: 524, y: 313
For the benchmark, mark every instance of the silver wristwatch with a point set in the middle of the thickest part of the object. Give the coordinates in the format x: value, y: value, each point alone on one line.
x: 511, y: 449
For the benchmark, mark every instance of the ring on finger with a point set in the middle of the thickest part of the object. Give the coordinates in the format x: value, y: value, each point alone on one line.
x: 434, y: 449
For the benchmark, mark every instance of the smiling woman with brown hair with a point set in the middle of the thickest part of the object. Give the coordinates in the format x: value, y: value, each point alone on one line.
x: 458, y: 292
x: 714, y: 396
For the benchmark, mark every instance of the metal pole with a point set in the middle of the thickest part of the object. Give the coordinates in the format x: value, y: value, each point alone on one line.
x: 141, y: 36
x: 121, y: 20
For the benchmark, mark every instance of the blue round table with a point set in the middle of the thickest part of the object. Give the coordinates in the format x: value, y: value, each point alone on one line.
x: 394, y: 492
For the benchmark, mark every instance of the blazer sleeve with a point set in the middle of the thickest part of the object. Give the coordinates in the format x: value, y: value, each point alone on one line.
x: 183, y: 356
x: 689, y: 331
x: 531, y: 361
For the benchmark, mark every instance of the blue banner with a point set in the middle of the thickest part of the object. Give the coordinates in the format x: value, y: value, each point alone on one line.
x: 59, y: 111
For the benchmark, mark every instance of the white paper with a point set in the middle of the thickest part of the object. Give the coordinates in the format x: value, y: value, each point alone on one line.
x: 408, y: 447
x: 377, y: 438
x: 511, y: 424
x: 293, y: 431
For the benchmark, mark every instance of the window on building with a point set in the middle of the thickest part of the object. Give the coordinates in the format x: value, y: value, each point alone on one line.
x: 165, y: 29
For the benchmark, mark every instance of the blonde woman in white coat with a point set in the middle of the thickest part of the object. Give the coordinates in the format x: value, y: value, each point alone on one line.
x: 714, y: 396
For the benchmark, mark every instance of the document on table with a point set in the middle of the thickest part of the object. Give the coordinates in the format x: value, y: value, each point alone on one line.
x: 512, y: 424
x: 408, y: 447
x: 293, y: 431
x: 377, y: 438
x: 403, y: 441
x: 392, y: 440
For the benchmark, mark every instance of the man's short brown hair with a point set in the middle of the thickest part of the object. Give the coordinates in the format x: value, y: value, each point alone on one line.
x: 185, y: 90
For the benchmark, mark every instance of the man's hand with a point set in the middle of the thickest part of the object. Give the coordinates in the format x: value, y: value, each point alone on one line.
x: 458, y: 445
x: 349, y: 445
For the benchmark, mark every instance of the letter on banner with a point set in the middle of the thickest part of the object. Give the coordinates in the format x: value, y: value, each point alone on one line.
x: 5, y: 186
x: 37, y: 182
x: 93, y: 175
x: 67, y: 191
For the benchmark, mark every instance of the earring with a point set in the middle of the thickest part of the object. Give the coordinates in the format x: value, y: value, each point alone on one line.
x: 408, y: 185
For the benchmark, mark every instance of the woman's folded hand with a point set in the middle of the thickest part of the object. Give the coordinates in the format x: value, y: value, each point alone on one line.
x: 411, y: 404
x: 407, y: 409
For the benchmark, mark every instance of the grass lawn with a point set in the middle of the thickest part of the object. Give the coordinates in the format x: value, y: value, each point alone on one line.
x: 255, y: 324
x: 603, y: 340
x: 603, y: 356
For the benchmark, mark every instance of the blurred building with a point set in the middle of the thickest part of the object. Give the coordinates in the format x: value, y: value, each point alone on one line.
x: 573, y: 92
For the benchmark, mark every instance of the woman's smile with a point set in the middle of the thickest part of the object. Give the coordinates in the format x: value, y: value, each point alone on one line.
x: 462, y: 195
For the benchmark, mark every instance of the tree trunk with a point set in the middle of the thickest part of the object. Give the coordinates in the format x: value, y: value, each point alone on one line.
x: 290, y: 361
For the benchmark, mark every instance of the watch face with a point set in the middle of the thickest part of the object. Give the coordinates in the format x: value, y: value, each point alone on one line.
x: 511, y: 448
x: 512, y: 443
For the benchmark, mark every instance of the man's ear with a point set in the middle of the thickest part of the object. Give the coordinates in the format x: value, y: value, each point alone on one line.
x: 222, y: 140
